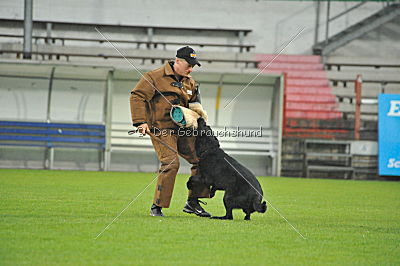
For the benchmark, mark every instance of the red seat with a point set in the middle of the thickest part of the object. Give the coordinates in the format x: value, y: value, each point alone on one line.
x: 308, y: 90
x: 307, y: 93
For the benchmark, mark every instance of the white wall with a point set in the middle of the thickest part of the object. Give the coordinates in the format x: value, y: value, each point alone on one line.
x: 273, y: 22
x: 24, y: 91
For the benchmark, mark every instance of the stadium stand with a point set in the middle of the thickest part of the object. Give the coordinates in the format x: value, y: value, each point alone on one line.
x: 320, y: 106
x: 379, y: 75
x: 308, y: 95
x: 319, y: 99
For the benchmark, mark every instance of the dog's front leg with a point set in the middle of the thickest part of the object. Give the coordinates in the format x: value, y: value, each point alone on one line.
x: 228, y: 208
x: 212, y: 191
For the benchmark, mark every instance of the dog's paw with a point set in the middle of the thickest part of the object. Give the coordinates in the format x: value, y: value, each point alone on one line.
x: 221, y: 218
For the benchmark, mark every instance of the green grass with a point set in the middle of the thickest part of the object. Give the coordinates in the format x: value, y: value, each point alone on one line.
x: 52, y: 217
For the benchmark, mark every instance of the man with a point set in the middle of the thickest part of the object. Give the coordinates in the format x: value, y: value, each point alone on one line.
x: 151, y: 101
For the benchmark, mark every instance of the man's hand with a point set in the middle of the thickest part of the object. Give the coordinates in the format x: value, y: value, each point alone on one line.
x: 143, y: 128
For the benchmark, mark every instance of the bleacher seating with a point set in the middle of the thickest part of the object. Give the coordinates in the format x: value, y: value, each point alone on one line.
x: 138, y: 44
x: 311, y: 93
x: 50, y: 34
x: 308, y: 95
x: 379, y: 75
x: 370, y: 91
x: 361, y: 62
x: 80, y: 54
x: 307, y: 90
x: 53, y: 135
x: 368, y: 76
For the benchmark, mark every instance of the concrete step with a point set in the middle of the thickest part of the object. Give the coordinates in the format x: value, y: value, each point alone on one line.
x: 368, y: 76
x: 341, y: 92
x: 363, y: 62
x: 369, y: 109
x: 308, y: 82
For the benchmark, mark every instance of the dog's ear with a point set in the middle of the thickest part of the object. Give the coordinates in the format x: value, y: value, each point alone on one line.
x: 201, y: 122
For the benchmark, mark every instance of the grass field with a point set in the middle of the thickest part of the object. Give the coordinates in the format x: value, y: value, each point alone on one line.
x: 52, y: 217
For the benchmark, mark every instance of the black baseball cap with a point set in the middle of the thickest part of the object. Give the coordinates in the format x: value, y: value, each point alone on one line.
x: 188, y: 54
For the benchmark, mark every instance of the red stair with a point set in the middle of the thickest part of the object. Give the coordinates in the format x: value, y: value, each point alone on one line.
x: 307, y: 92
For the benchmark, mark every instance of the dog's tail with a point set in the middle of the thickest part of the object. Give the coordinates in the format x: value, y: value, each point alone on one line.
x: 260, y: 206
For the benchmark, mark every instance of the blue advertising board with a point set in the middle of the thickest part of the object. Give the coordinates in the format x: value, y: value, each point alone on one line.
x: 389, y: 134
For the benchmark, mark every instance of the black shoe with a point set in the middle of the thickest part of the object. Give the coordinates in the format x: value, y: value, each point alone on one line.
x: 193, y: 206
x: 156, y: 211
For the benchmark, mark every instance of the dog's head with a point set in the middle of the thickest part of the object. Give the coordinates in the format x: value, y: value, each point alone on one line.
x: 201, y: 124
x: 205, y: 139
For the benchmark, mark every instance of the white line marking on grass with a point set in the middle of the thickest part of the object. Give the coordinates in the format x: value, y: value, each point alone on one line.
x: 127, y: 206
x: 265, y: 199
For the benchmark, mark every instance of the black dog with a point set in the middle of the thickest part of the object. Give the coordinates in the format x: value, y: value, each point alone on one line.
x: 221, y: 172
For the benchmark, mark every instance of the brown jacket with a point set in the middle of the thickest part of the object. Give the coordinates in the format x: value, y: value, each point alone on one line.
x: 148, y: 106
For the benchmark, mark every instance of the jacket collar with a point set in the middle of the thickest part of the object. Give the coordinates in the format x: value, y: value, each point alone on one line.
x: 169, y: 71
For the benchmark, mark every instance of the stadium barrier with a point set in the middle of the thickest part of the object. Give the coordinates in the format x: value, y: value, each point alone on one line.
x: 52, y: 136
x: 328, y: 157
x: 264, y: 145
x: 355, y: 159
